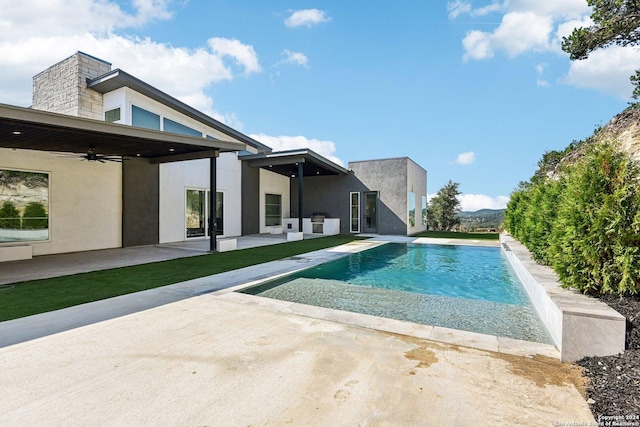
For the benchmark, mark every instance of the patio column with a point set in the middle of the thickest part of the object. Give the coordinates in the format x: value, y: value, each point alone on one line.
x: 300, y: 192
x: 213, y: 196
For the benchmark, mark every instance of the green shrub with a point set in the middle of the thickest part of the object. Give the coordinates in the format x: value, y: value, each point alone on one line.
x: 35, y: 217
x: 586, y: 224
x: 594, y: 244
x: 9, y: 216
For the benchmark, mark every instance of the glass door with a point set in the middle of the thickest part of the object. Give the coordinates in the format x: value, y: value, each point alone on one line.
x: 197, y: 213
x: 371, y: 212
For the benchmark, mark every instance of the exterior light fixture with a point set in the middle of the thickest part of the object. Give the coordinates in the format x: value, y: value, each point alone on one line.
x: 172, y: 149
x: 16, y: 132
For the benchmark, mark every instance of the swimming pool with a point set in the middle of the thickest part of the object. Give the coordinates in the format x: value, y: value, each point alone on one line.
x: 460, y: 287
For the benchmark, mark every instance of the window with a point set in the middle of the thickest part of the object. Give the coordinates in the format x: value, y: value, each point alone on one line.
x: 424, y: 210
x: 412, y: 209
x: 175, y: 127
x: 273, y: 209
x: 144, y: 119
x: 355, y: 212
x: 24, y: 206
x: 112, y: 115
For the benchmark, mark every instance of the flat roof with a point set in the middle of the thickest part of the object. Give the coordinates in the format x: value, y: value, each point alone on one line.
x: 286, y: 163
x: 28, y: 129
x: 117, y: 78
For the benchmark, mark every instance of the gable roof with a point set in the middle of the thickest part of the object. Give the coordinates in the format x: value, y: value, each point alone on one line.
x: 117, y: 79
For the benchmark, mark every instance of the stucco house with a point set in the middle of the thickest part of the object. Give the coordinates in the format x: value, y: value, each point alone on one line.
x: 104, y: 160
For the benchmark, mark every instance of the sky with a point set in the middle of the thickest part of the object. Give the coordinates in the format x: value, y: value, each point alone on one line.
x: 473, y: 91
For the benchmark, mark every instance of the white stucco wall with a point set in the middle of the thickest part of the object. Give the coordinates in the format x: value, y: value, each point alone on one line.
x: 416, y: 183
x: 85, y: 200
x: 273, y: 183
x: 176, y: 178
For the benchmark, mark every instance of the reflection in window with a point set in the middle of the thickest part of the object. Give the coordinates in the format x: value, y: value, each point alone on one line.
x: 197, y: 213
x: 24, y: 206
x: 112, y: 115
x: 144, y: 119
x: 424, y: 210
x: 175, y: 127
x: 412, y: 209
x: 273, y: 209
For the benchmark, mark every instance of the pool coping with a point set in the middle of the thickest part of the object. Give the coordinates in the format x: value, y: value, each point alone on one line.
x: 440, y: 334
x: 580, y: 325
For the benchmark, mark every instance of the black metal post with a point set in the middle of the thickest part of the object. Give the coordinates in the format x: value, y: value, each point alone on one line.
x: 300, y: 192
x: 213, y: 196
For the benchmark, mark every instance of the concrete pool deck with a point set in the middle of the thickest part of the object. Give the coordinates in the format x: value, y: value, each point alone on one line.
x: 198, y: 354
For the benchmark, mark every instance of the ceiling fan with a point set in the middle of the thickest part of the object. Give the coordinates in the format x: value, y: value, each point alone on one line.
x: 93, y: 156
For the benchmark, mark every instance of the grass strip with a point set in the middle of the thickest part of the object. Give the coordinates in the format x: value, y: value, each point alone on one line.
x: 40, y: 296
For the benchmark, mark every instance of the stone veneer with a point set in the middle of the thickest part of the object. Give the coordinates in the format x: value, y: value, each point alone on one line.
x: 579, y: 325
x: 62, y: 88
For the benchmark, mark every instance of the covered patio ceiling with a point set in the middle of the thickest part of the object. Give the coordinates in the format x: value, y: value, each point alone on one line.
x: 287, y: 163
x: 28, y: 129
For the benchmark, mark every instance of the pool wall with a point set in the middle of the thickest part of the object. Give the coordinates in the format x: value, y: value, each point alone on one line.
x: 579, y: 325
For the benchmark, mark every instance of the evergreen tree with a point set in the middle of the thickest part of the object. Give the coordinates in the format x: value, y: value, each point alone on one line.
x: 443, y: 209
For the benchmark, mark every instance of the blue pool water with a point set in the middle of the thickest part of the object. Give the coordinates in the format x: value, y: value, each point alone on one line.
x: 460, y: 287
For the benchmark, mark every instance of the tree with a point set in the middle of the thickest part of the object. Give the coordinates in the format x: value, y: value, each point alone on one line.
x: 615, y: 22
x: 443, y: 210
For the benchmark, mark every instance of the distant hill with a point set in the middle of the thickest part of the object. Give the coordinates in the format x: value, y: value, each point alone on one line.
x: 482, y: 219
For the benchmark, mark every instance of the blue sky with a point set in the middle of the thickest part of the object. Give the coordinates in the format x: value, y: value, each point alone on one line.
x: 473, y: 91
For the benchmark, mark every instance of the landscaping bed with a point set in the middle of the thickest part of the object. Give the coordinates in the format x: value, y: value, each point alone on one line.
x: 614, y: 381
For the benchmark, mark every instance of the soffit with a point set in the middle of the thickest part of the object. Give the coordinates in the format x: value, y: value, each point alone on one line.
x: 28, y: 129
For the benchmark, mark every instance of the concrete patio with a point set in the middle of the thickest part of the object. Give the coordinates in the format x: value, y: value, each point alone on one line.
x: 197, y: 353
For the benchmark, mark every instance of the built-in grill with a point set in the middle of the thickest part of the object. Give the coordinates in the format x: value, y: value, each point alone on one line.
x: 317, y: 223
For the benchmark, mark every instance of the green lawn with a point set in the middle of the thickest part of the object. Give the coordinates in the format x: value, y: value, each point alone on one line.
x: 458, y: 235
x: 39, y: 296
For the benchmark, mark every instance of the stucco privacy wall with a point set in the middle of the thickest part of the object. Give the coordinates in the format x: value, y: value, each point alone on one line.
x: 416, y: 183
x: 389, y: 178
x: 73, y: 215
x: 62, y: 88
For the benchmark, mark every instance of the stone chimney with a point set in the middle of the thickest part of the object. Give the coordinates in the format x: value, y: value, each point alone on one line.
x: 62, y: 88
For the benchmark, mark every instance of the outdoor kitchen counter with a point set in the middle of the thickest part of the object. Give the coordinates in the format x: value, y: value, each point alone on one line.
x: 329, y: 227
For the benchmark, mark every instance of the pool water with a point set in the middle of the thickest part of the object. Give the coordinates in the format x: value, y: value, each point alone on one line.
x: 459, y: 287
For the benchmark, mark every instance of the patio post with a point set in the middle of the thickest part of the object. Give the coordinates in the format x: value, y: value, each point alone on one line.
x: 213, y: 226
x: 300, y: 192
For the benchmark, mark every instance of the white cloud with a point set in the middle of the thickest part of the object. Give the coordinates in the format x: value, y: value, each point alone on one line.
x: 606, y: 70
x: 283, y: 143
x: 457, y: 8
x: 517, y: 33
x: 306, y: 18
x: 539, y: 26
x: 294, y: 58
x: 465, y: 158
x: 243, y: 54
x: 475, y: 202
x: 33, y: 38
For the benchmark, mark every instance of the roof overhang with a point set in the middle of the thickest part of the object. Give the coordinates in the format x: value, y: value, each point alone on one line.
x: 286, y: 163
x: 117, y: 79
x: 28, y: 129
